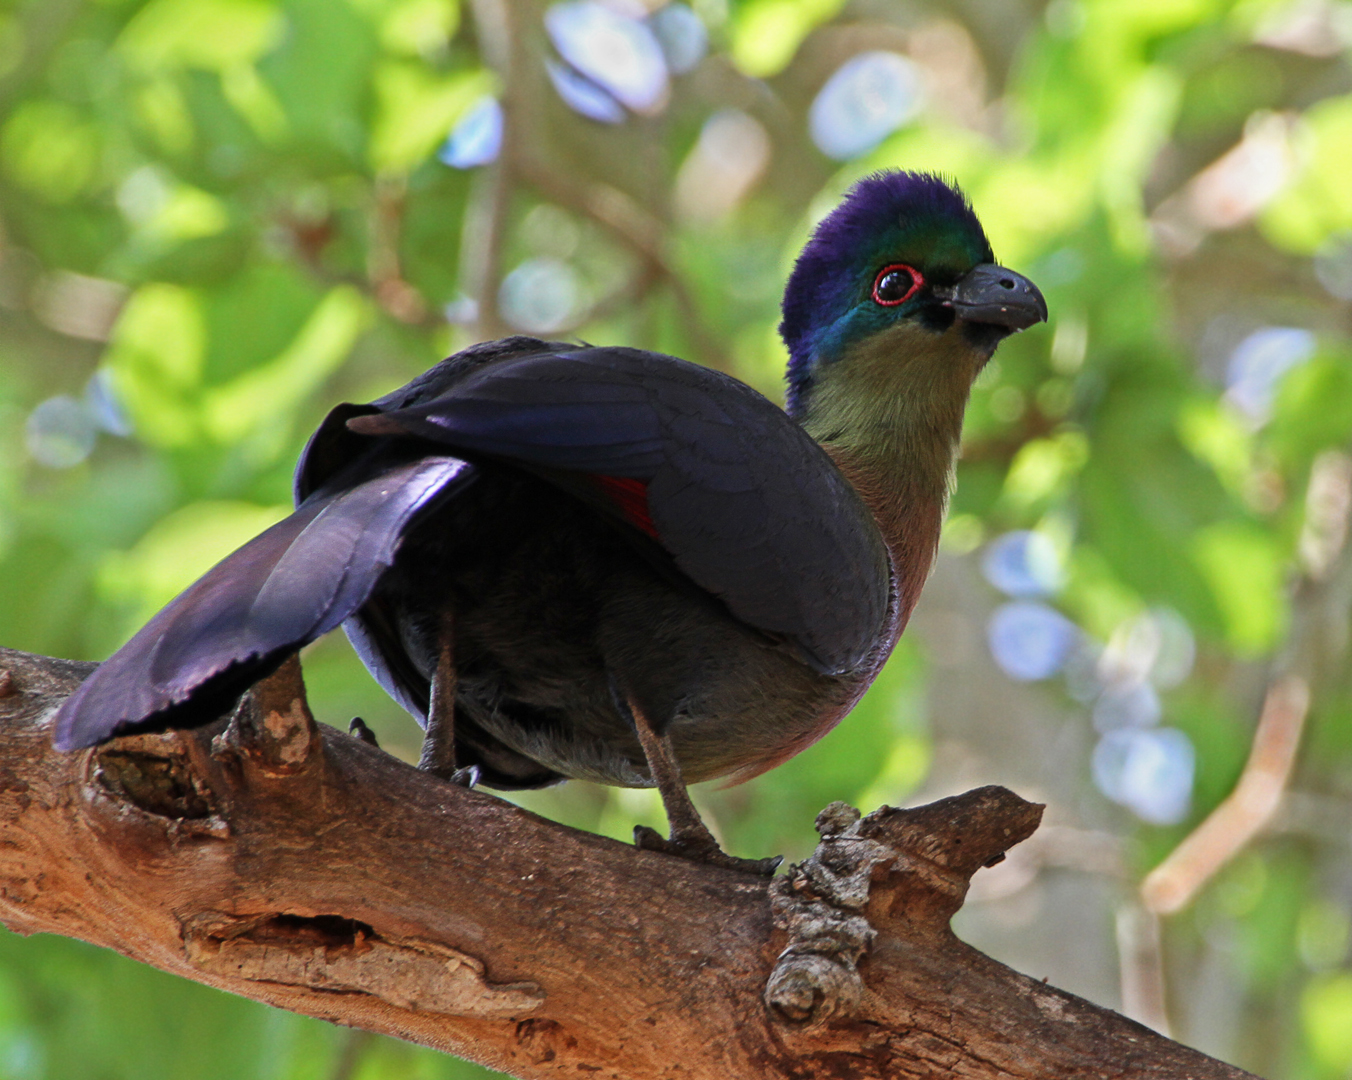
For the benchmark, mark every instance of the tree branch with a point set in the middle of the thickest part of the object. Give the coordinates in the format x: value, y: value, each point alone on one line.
x: 1243, y: 813
x: 1316, y: 645
x: 299, y: 866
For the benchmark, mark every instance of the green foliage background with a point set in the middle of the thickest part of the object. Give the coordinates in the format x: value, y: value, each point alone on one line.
x: 227, y: 215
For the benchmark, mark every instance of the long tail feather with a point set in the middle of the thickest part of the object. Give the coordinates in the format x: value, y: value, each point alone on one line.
x: 284, y: 588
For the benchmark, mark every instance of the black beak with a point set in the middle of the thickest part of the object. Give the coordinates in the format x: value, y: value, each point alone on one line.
x: 991, y: 294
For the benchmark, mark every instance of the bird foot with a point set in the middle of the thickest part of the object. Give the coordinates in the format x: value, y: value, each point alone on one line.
x: 358, y: 729
x: 466, y: 778
x: 702, y: 849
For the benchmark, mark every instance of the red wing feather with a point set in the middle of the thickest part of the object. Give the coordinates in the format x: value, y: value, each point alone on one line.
x: 631, y: 497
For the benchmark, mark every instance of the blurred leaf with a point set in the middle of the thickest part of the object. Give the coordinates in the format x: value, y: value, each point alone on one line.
x: 1246, y: 570
x: 178, y: 550
x: 766, y: 33
x: 321, y: 74
x: 187, y: 214
x: 419, y: 27
x: 417, y: 109
x: 156, y: 359
x: 1101, y: 603
x: 1139, y: 526
x: 1319, y: 200
x: 1326, y: 1015
x: 1044, y: 468
x: 1313, y: 410
x: 1132, y: 141
x: 277, y: 387
x: 254, y: 315
x: 85, y: 1011
x: 1323, y: 933
x: 254, y: 100
x: 1216, y: 434
x: 162, y: 108
x: 1268, y: 935
x: 1221, y: 737
x: 214, y: 34
x: 50, y: 149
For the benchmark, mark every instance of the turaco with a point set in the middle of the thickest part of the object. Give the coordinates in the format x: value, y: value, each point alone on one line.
x: 611, y: 564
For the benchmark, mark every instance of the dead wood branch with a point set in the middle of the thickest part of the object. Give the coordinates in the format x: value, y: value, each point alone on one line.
x: 304, y: 868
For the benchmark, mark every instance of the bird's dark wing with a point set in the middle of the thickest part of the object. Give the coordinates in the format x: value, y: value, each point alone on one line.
x: 333, y: 447
x: 286, y: 587
x: 748, y: 506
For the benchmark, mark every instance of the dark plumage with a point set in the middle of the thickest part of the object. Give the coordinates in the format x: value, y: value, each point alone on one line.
x: 607, y: 563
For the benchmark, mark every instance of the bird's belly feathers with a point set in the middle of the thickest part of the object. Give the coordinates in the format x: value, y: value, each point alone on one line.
x: 552, y: 607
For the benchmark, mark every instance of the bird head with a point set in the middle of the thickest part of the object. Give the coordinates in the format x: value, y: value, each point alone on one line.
x: 900, y: 280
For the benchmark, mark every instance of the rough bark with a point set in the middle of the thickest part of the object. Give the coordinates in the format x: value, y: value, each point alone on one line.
x: 305, y: 868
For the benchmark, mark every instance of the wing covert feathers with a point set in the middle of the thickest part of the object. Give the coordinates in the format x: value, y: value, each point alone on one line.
x: 750, y: 508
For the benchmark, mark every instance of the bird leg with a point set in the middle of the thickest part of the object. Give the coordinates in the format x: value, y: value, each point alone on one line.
x: 690, y: 837
x: 438, y: 748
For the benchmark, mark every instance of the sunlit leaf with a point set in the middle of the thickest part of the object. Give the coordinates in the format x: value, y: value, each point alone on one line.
x: 420, y: 27
x: 162, y: 108
x: 212, y: 34
x: 1245, y: 569
x: 1326, y: 1016
x: 1319, y: 201
x: 187, y: 214
x: 254, y: 100
x: 1044, y: 467
x: 50, y: 149
x: 417, y: 110
x: 1216, y: 434
x: 156, y: 360
x: 1131, y: 142
x: 1313, y: 409
x: 256, y: 399
x: 766, y: 33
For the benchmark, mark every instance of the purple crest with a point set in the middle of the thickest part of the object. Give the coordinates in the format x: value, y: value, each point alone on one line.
x: 880, y: 213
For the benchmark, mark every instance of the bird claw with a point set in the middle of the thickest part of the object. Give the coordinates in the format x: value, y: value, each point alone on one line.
x: 467, y: 778
x: 358, y: 729
x: 702, y: 849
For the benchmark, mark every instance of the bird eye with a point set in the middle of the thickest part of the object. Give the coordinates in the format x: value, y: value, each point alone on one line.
x: 896, y: 284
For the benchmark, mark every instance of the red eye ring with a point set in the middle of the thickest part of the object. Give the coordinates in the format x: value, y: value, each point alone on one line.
x: 917, y: 280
